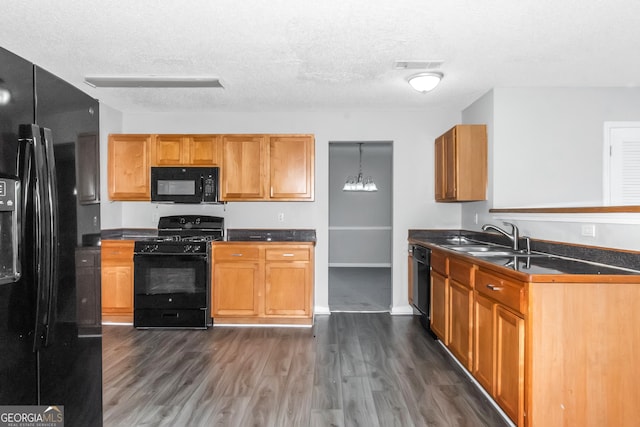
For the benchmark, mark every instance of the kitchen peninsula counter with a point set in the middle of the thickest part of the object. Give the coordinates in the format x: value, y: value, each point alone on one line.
x: 554, y: 342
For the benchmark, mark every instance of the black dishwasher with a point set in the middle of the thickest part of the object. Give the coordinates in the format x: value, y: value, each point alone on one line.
x: 421, y: 257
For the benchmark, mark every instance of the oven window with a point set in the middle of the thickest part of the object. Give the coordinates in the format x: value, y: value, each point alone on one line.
x: 169, y: 274
x: 164, y: 280
x: 176, y: 187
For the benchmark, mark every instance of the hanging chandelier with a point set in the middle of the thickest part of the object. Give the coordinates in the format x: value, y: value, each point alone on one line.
x: 359, y: 183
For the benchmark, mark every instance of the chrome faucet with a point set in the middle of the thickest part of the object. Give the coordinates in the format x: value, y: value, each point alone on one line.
x: 514, y: 236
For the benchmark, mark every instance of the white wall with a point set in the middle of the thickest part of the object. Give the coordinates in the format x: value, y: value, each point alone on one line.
x: 545, y: 149
x: 412, y: 133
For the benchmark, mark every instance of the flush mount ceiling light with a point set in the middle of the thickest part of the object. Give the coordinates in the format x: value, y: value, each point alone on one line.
x: 153, y: 81
x: 358, y: 183
x: 425, y: 82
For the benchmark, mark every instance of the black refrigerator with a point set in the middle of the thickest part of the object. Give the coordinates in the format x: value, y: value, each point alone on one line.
x: 46, y: 359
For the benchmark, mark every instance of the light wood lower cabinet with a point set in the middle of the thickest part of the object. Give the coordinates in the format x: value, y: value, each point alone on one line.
x: 551, y: 350
x: 461, y: 311
x: 262, y: 283
x: 117, y: 280
x: 236, y: 281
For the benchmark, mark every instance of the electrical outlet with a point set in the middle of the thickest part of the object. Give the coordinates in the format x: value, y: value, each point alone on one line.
x: 281, y: 217
x: 589, y: 230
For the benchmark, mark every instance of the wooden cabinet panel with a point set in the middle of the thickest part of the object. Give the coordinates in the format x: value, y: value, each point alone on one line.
x: 509, y: 363
x: 439, y: 262
x: 117, y: 279
x: 483, y: 340
x: 461, y: 164
x: 244, y: 173
x: 88, y: 168
x: 128, y: 167
x: 88, y: 289
x: 262, y: 283
x: 169, y: 150
x: 205, y: 150
x: 237, y: 289
x: 440, y: 306
x: 186, y: 150
x: 460, y: 334
x: 291, y: 166
x: 505, y: 291
x: 439, y: 169
x: 288, y: 291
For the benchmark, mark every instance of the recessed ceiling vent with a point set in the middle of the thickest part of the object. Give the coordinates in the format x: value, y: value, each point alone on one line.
x: 417, y: 65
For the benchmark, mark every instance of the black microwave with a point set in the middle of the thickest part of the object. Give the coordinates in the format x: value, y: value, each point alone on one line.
x: 185, y: 184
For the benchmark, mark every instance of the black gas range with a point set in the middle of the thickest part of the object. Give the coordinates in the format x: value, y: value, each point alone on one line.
x: 172, y: 273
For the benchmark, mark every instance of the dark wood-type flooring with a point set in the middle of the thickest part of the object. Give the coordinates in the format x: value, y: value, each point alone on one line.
x: 350, y: 369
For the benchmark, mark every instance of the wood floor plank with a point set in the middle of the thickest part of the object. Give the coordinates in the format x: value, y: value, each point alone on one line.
x: 348, y: 369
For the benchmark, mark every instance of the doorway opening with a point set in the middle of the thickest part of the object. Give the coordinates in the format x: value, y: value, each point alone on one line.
x: 360, y: 227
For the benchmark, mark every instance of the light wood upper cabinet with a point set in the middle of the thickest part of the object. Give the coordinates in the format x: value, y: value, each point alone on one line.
x: 291, y: 167
x: 244, y: 172
x: 128, y: 167
x: 268, y: 167
x: 186, y: 150
x: 117, y: 280
x: 461, y: 164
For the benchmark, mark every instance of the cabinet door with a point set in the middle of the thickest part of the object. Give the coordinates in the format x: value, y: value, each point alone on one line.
x: 205, y: 150
x: 236, y: 289
x: 451, y: 165
x: 287, y: 289
x: 509, y: 351
x: 170, y: 150
x: 439, y: 306
x: 128, y: 167
x: 291, y: 165
x: 483, y: 355
x: 88, y: 168
x: 439, y: 169
x: 117, y: 289
x: 460, y: 333
x: 243, y: 174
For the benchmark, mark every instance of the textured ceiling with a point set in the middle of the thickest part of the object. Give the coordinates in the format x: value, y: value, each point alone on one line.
x: 286, y: 55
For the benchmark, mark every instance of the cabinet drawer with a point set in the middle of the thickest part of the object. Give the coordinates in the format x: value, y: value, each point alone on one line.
x: 461, y: 272
x: 284, y: 254
x: 440, y: 262
x: 235, y: 253
x: 117, y: 250
x: 505, y: 291
x: 85, y: 259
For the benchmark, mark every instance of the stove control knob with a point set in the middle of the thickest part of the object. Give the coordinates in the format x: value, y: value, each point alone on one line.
x: 188, y: 248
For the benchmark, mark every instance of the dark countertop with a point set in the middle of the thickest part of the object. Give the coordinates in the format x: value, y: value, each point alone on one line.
x: 270, y: 235
x: 128, y: 233
x: 565, y: 259
x: 231, y: 235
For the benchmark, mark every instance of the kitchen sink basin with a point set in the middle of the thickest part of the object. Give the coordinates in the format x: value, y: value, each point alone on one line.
x: 488, y: 250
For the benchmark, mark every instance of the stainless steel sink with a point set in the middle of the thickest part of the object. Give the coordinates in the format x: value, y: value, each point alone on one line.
x: 488, y: 250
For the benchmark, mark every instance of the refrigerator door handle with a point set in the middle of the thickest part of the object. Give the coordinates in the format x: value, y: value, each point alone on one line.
x: 35, y: 165
x: 51, y: 234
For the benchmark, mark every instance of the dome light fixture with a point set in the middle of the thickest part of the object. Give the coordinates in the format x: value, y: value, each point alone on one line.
x: 425, y: 82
